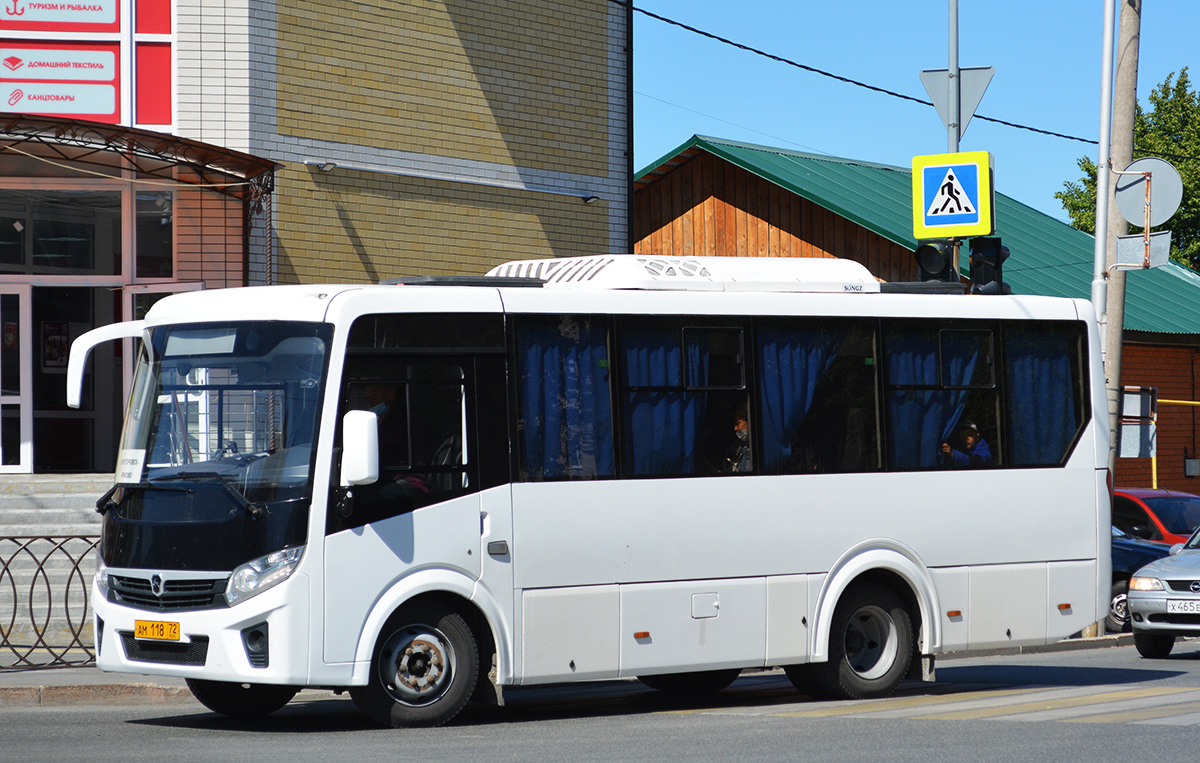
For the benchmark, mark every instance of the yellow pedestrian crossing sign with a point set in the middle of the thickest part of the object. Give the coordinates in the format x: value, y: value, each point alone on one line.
x: 953, y: 195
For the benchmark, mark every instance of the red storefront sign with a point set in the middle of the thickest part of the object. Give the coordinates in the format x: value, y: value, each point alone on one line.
x: 76, y: 80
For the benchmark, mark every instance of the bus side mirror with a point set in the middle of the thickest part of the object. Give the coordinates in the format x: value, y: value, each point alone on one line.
x: 360, y: 448
x: 82, y: 347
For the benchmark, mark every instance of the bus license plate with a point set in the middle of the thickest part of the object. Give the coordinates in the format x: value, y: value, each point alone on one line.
x: 155, y: 630
x: 1184, y: 606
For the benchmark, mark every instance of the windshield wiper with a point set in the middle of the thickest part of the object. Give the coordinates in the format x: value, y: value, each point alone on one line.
x: 255, y: 510
x: 105, y: 502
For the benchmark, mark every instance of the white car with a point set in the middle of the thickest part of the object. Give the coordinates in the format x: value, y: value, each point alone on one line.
x: 1164, y: 599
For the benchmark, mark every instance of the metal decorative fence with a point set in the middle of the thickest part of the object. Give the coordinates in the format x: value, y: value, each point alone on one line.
x: 45, y: 613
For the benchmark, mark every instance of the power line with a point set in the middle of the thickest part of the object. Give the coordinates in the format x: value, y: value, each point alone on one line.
x: 839, y: 78
x: 726, y: 121
x: 874, y: 88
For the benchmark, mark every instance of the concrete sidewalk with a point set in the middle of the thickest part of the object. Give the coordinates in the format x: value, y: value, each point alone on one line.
x: 89, y: 686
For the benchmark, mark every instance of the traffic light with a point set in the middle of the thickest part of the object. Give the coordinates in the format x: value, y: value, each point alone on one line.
x: 987, y: 258
x: 935, y: 260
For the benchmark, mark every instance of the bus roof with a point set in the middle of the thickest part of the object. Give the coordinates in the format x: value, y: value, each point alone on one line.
x: 615, y: 284
x: 794, y: 274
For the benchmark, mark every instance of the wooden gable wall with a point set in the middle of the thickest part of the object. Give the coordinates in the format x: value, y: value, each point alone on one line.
x: 710, y: 207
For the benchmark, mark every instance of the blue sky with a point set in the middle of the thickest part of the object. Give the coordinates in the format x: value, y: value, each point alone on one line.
x: 1046, y: 54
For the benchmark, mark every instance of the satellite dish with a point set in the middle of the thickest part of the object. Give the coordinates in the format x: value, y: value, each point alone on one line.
x: 1166, y: 191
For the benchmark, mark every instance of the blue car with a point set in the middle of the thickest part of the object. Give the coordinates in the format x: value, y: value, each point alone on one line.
x: 1129, y: 554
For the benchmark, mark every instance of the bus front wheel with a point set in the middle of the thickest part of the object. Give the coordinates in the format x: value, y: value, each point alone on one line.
x: 423, y: 670
x: 870, y: 645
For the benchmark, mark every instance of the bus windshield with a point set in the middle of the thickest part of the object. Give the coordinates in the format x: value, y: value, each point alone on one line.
x: 222, y: 428
x: 235, y: 401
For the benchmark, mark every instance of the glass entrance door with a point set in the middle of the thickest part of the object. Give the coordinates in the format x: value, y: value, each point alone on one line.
x: 16, y: 381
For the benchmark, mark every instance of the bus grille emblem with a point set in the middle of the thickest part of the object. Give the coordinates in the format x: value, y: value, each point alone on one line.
x: 156, y: 585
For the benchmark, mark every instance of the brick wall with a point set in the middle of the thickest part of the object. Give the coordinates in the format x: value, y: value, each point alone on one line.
x: 363, y: 227
x: 522, y: 83
x: 1173, y: 370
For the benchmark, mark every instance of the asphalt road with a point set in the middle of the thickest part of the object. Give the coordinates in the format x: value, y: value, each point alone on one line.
x: 1101, y: 704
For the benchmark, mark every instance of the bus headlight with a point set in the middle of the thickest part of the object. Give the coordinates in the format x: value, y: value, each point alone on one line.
x: 101, y: 577
x: 262, y: 573
x: 1145, y: 584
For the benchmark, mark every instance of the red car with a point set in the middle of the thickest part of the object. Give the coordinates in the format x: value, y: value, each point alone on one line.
x: 1164, y: 516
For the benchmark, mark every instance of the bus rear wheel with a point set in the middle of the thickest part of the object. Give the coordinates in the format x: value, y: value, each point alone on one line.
x: 424, y: 668
x: 870, y: 645
x: 240, y: 700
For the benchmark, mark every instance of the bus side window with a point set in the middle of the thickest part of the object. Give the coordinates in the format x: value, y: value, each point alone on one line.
x: 937, y: 381
x: 817, y: 396
x: 564, y: 408
x: 422, y: 414
x: 681, y: 386
x: 1045, y: 399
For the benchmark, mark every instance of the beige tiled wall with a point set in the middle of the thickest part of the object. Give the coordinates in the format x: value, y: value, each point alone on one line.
x: 522, y: 83
x: 364, y: 227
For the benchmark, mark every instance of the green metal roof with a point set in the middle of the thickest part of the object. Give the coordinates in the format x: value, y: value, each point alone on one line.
x: 1049, y: 257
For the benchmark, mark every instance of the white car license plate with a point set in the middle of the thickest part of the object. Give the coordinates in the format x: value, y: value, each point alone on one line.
x: 1179, y: 606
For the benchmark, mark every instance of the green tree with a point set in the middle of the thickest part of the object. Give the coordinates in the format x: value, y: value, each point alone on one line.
x: 1171, y: 130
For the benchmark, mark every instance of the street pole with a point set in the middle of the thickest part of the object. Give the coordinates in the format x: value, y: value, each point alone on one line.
x: 1100, y: 252
x: 954, y: 123
x: 954, y: 126
x: 1124, y: 110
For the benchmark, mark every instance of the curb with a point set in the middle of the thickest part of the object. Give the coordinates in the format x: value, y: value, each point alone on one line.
x: 93, y: 694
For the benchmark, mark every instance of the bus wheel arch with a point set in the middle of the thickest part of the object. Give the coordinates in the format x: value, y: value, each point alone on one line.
x: 871, y: 644
x: 480, y: 614
x: 424, y: 666
x: 875, y: 589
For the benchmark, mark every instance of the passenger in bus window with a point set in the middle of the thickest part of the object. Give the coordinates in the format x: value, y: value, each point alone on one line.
x: 969, y: 448
x: 738, y: 458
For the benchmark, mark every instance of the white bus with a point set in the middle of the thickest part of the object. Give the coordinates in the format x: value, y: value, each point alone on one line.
x: 593, y: 468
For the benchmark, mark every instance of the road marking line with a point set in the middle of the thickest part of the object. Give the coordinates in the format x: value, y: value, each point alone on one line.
x: 1191, y: 719
x: 1050, y: 704
x: 905, y: 703
x: 1140, y: 714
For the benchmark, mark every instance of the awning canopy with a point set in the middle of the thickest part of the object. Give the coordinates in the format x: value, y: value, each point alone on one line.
x: 155, y: 154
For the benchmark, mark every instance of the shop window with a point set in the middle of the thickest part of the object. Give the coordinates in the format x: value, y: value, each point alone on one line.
x: 154, y: 235
x: 62, y: 232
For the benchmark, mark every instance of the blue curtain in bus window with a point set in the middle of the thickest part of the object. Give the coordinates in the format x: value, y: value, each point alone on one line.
x: 791, y: 363
x: 920, y: 420
x: 564, y: 404
x: 662, y: 422
x: 1040, y: 404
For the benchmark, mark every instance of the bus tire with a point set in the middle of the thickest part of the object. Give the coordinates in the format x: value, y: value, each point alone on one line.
x: 1153, y: 646
x: 700, y: 682
x: 240, y: 700
x: 870, y: 645
x: 423, y: 669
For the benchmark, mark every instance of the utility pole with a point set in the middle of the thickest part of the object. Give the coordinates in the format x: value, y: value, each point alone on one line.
x: 1124, y: 110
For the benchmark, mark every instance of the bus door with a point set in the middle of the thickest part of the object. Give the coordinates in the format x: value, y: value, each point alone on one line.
x: 426, y: 511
